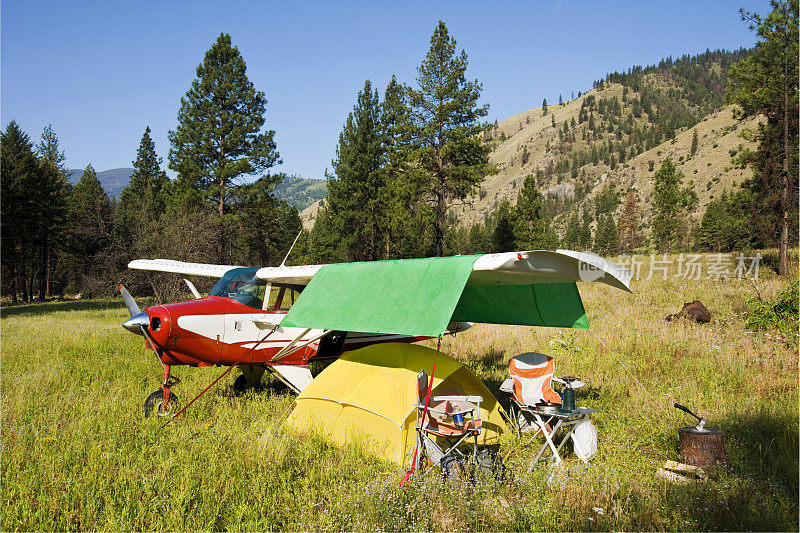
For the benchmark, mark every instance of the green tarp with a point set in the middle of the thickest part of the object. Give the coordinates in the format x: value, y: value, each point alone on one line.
x: 406, y: 296
x: 543, y: 304
x: 420, y: 296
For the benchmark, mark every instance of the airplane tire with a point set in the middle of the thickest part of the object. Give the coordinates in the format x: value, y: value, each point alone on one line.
x: 241, y: 385
x: 154, y: 404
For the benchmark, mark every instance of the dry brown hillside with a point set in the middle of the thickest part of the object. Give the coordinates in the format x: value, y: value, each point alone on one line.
x: 612, y: 135
x: 309, y: 214
x: 710, y: 170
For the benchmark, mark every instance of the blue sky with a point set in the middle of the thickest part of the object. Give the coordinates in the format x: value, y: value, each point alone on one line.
x: 100, y: 72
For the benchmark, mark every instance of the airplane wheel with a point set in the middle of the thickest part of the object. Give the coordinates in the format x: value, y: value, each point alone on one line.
x: 241, y: 385
x: 154, y: 403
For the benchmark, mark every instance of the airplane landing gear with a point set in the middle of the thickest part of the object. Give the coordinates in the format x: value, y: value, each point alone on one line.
x: 155, y: 402
x: 249, y: 379
x: 163, y: 401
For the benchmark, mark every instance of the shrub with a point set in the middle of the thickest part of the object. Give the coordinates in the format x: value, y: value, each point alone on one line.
x: 780, y: 313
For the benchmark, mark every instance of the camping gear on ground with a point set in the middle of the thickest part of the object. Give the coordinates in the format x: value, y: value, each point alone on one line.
x: 681, y: 473
x: 585, y: 440
x: 371, y: 395
x: 699, y: 445
x: 536, y: 408
x: 439, y: 416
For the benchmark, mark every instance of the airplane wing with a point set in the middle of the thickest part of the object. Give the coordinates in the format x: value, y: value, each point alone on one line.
x: 180, y: 267
x: 543, y: 266
x: 288, y: 275
x: 508, y: 268
x: 282, y: 275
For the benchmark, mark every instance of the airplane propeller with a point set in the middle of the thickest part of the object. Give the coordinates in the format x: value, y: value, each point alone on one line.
x: 139, y: 320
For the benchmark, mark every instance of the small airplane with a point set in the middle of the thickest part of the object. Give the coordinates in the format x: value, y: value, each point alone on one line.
x: 239, y: 324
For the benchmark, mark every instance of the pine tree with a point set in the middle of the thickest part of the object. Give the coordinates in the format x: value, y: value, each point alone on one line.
x: 694, y: 143
x: 766, y: 84
x: 503, y: 232
x: 572, y: 236
x: 667, y: 212
x: 142, y: 201
x: 606, y: 238
x: 479, y: 241
x: 560, y: 100
x: 722, y: 228
x: 19, y: 169
x: 407, y: 218
x: 532, y: 229
x: 713, y: 233
x: 629, y: 222
x: 586, y: 241
x: 52, y: 199
x: 219, y: 138
x: 544, y: 107
x: 445, y: 129
x: 89, y: 222
x: 355, y: 189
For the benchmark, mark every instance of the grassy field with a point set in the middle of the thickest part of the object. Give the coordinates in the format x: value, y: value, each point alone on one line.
x: 77, y: 453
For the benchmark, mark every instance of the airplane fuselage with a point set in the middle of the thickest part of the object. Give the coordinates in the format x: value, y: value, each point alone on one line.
x: 219, y: 331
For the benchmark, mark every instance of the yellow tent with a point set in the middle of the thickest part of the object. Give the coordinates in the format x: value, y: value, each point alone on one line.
x: 372, y: 393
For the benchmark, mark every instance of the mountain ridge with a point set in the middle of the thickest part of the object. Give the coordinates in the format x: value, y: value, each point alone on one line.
x: 296, y: 191
x: 617, y: 134
x: 113, y: 180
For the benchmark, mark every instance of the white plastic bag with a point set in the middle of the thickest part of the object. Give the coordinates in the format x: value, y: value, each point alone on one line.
x: 585, y: 440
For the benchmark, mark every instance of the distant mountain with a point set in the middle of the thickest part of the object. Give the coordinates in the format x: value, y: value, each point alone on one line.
x: 301, y: 192
x: 113, y: 181
x: 297, y: 191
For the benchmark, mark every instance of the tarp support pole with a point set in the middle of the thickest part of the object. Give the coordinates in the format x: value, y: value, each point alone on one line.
x: 410, y: 473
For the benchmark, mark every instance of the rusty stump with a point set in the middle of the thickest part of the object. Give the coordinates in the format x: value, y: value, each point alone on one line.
x: 704, y: 448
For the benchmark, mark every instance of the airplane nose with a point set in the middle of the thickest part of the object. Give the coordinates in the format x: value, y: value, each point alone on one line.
x: 135, y: 323
x: 159, y: 324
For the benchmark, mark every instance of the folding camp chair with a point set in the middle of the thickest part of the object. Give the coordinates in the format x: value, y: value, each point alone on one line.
x: 536, y: 407
x: 530, y: 384
x: 453, y: 419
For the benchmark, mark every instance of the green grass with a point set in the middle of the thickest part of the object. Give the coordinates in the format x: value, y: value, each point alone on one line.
x: 77, y: 453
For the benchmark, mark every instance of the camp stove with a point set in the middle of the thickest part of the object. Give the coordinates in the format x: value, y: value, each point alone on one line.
x: 700, y: 445
x: 568, y: 394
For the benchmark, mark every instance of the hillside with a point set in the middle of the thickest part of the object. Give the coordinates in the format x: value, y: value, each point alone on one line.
x: 113, y: 180
x: 309, y: 214
x: 710, y: 169
x: 300, y: 192
x: 617, y: 134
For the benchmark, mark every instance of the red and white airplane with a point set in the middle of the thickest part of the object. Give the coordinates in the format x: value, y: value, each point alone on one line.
x: 230, y: 325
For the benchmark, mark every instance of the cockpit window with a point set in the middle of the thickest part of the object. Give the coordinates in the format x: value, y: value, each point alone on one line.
x: 241, y: 285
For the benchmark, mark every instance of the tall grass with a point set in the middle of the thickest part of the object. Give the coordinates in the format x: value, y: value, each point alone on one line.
x: 77, y: 453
